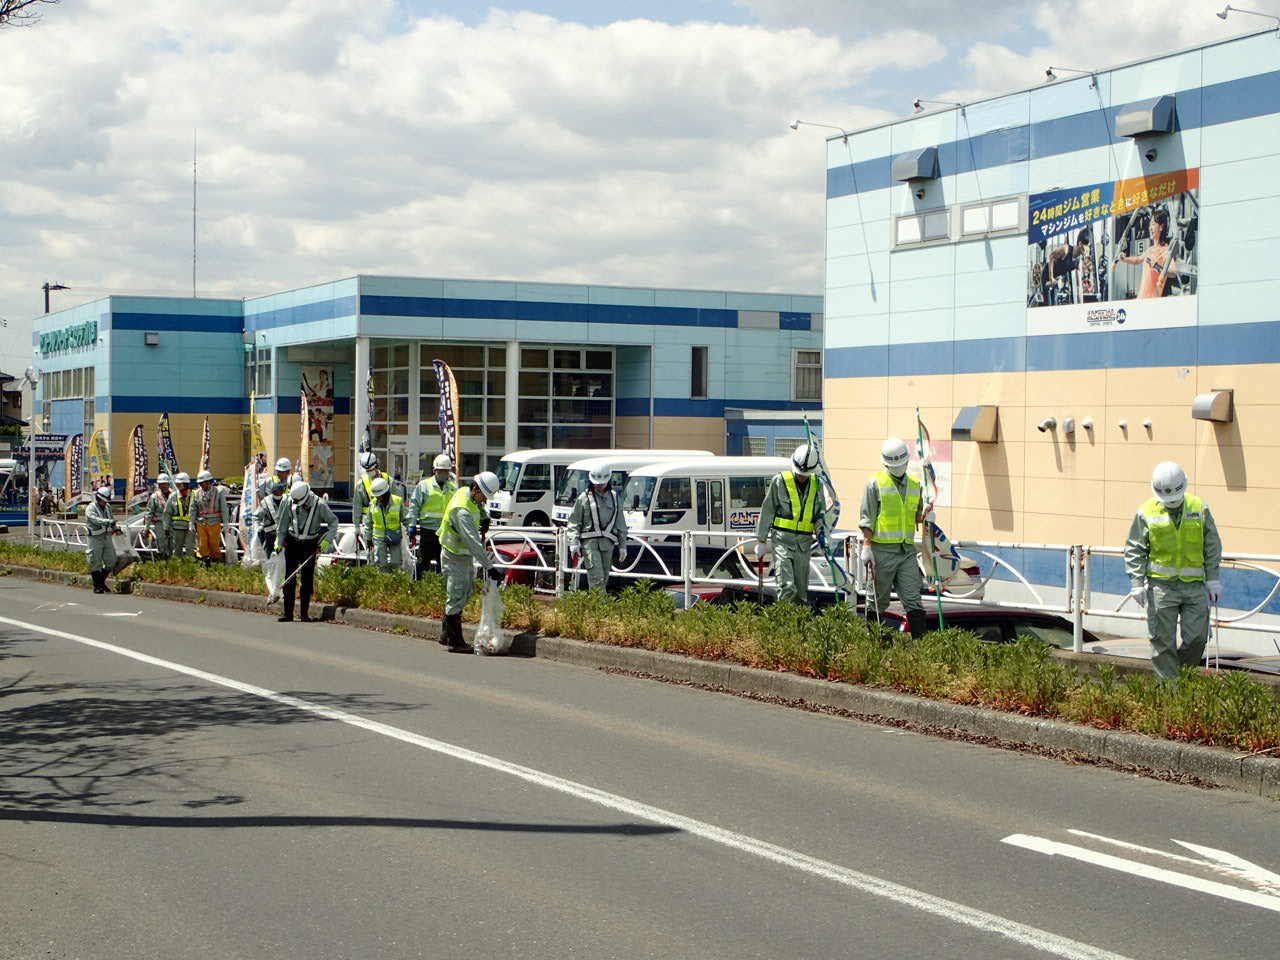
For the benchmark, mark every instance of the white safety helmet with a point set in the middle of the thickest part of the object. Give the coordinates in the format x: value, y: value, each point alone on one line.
x: 182, y: 478
x: 203, y: 475
x: 600, y: 475
x: 103, y: 493
x: 283, y: 464
x: 368, y: 460
x: 804, y: 460
x: 379, y: 487
x: 298, y: 492
x: 1169, y: 483
x: 163, y: 478
x: 487, y: 483
x: 895, y: 457
x: 442, y: 462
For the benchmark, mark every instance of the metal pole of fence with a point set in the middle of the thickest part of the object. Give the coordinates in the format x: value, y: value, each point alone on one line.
x: 686, y: 565
x: 558, y: 563
x: 1077, y: 598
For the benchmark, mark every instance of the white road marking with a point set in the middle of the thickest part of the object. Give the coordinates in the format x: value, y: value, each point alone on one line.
x: 1211, y: 887
x: 1032, y: 937
x: 120, y: 613
x: 1228, y: 864
x: 53, y: 606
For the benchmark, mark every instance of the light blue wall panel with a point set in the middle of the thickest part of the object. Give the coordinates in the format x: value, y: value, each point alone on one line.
x: 990, y: 183
x: 1241, y: 140
x: 1242, y: 58
x: 998, y: 253
x: 920, y: 294
x: 623, y: 296
x: 864, y: 331
x: 616, y: 333
x: 858, y: 301
x: 1225, y: 262
x: 709, y: 299
x: 865, y: 145
x: 1069, y: 96
x: 920, y: 263
x: 552, y: 292
x: 401, y: 287
x: 402, y: 327
x: 857, y: 269
x: 996, y: 286
x: 1238, y: 180
x: 463, y: 328
x: 757, y: 301
x: 861, y: 208
x: 922, y: 326
x: 992, y: 321
x: 1066, y: 170
x: 1239, y: 302
x: 1181, y: 71
x: 479, y: 289
x: 937, y: 125
x: 1243, y: 221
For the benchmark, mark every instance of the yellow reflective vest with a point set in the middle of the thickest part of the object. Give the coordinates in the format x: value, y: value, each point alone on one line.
x: 802, y: 513
x: 385, y: 518
x: 896, y: 521
x: 450, y: 539
x: 1177, y: 550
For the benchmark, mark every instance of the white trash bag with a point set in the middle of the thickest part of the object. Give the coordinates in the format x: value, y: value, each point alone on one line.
x: 273, y: 573
x: 256, y: 555
x: 126, y: 554
x: 408, y: 560
x: 490, y: 637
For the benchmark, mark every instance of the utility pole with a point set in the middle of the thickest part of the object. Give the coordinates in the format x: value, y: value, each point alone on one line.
x: 51, y: 286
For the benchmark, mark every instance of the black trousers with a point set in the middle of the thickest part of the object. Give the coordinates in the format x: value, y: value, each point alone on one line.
x: 428, y: 549
x: 296, y: 554
x: 268, y: 541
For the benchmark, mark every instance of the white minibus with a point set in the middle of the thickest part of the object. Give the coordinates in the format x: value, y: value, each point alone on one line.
x: 575, y: 477
x: 530, y: 479
x: 716, y: 494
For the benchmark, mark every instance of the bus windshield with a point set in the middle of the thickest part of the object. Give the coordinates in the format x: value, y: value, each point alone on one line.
x: 508, y: 470
x: 571, y: 484
x: 638, y: 492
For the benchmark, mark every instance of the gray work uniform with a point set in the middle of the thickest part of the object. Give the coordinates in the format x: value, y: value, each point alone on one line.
x: 791, y: 548
x: 896, y: 567
x: 1174, y: 600
x: 158, y: 522
x: 264, y: 488
x: 266, y: 526
x: 597, y: 528
x: 363, y: 497
x: 181, y: 523
x: 459, y: 574
x: 101, y: 552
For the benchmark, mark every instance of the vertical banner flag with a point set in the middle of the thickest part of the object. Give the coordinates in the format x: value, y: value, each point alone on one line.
x: 304, y: 425
x: 257, y: 446
x: 366, y: 441
x: 164, y: 448
x: 448, y: 409
x: 827, y: 520
x: 206, y: 447
x: 935, y: 541
x: 139, y: 466
x: 99, y: 459
x: 74, y: 460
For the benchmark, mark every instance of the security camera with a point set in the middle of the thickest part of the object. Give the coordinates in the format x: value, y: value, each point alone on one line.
x: 1049, y: 424
x: 919, y: 193
x: 1150, y: 155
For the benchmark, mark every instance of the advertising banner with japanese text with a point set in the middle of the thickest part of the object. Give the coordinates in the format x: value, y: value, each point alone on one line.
x: 1098, y: 255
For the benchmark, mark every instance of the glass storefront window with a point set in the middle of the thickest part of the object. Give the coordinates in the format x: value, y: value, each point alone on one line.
x: 531, y: 437
x: 533, y: 411
x: 599, y: 360
x: 533, y: 359
x: 568, y: 359
x: 534, y: 384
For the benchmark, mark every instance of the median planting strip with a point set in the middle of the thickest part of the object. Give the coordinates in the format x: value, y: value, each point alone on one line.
x: 1222, y: 730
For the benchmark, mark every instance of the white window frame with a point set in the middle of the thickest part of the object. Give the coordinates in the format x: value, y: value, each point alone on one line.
x: 920, y: 219
x: 705, y: 393
x: 1019, y: 226
x: 795, y: 371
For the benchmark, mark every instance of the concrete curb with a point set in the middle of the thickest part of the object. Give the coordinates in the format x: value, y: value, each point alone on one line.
x: 1228, y: 768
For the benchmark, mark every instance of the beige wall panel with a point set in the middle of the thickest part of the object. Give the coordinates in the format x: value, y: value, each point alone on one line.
x: 1248, y: 539
x: 902, y: 422
x: 1078, y: 460
x: 1068, y: 497
x: 1239, y: 509
x: 1067, y: 391
x: 1254, y: 425
x: 983, y: 492
x: 1056, y: 528
x: 993, y: 459
x: 1134, y: 462
x: 1169, y: 424
x: 856, y: 392
x: 1248, y: 469
x: 859, y: 456
x: 1115, y: 530
x: 964, y: 523
x: 931, y: 391
x: 1255, y: 382
x: 1136, y: 386
x: 631, y: 432
x: 1122, y: 498
x: 853, y: 423
x: 1001, y: 389
x: 689, y: 433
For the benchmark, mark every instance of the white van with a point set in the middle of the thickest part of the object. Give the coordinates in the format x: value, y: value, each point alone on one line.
x: 575, y: 478
x: 718, y: 494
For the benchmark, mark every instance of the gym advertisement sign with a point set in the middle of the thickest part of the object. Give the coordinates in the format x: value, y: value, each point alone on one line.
x: 69, y: 338
x: 1095, y: 247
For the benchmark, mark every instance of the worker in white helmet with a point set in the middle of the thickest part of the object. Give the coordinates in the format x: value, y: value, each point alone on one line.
x: 179, y: 518
x: 211, y: 517
x: 597, y: 528
x: 789, y: 519
x: 364, y: 489
x: 157, y: 518
x: 892, y: 508
x: 100, y: 551
x: 307, y: 529
x: 266, y: 526
x: 461, y: 546
x: 1173, y: 557
x: 383, y: 526
x: 283, y: 469
x: 426, y: 511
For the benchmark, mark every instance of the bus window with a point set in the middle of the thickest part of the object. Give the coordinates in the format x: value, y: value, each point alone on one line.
x: 637, y: 493
x: 673, y: 499
x: 747, y: 493
x: 717, y: 503
x: 534, y: 482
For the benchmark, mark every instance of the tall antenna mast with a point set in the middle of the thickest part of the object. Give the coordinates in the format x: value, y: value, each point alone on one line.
x: 193, y: 214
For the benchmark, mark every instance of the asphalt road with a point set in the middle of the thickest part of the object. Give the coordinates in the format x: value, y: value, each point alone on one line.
x: 183, y: 782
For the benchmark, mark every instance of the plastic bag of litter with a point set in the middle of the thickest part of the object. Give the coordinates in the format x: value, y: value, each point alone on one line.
x: 408, y: 557
x: 256, y: 555
x: 490, y: 637
x: 273, y: 573
x: 126, y: 554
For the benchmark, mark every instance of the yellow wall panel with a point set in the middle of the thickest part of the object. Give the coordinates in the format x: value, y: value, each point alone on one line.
x: 999, y: 389
x: 872, y: 392
x: 1056, y: 528
x: 1252, y: 382
x: 965, y: 523
x: 689, y: 433
x: 986, y: 492
x: 1136, y: 386
x: 930, y: 391
x: 853, y: 423
x: 997, y: 459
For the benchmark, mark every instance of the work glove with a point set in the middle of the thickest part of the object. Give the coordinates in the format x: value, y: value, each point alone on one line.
x: 573, y: 554
x: 494, y: 574
x: 1138, y: 594
x: 865, y: 554
x: 325, y: 545
x: 1214, y: 589
x: 930, y: 517
x: 760, y: 548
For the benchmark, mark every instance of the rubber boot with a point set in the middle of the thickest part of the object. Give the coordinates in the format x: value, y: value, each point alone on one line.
x: 916, y: 624
x: 453, y: 632
x: 98, y: 576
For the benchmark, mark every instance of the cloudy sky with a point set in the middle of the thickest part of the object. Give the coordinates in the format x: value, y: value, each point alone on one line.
x: 640, y: 142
